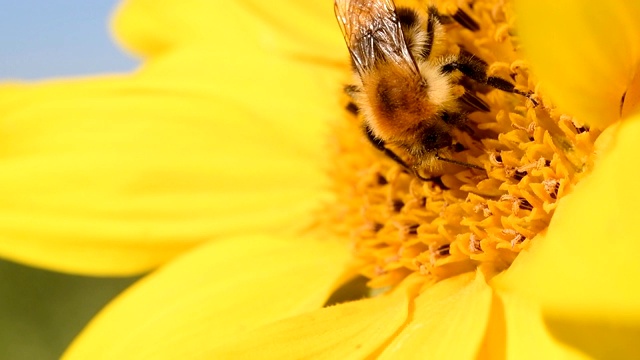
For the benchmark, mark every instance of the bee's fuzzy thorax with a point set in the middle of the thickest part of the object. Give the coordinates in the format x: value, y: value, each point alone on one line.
x: 440, y: 87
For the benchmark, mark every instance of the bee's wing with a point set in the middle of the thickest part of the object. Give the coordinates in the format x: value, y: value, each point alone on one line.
x: 373, y: 34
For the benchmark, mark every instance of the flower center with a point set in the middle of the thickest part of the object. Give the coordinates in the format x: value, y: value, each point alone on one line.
x: 463, y: 218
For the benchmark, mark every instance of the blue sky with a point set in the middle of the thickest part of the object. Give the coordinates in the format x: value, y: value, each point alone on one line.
x: 53, y: 38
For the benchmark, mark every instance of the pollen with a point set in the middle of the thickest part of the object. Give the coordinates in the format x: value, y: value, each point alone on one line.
x: 463, y: 218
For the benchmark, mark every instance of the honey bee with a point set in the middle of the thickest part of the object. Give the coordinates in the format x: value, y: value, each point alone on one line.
x: 405, y: 80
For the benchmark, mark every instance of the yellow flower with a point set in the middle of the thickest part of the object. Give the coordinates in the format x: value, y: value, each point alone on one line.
x: 217, y: 145
x: 597, y: 49
x: 118, y: 174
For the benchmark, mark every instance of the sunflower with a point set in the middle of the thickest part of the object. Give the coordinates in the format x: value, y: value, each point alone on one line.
x: 228, y: 164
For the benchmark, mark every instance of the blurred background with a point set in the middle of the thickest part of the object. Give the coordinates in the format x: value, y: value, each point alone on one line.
x: 40, y: 311
x: 42, y: 39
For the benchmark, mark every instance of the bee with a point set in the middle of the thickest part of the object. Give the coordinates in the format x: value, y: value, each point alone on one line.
x: 405, y: 80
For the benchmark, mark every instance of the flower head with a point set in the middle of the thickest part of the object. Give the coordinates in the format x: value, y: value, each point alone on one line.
x: 529, y: 258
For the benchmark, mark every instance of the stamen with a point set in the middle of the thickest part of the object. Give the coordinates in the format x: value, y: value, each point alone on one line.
x: 552, y: 186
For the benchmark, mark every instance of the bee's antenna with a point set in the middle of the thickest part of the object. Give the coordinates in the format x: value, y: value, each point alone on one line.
x: 461, y: 163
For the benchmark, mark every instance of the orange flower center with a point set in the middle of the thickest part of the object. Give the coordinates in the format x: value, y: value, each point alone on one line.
x: 464, y: 218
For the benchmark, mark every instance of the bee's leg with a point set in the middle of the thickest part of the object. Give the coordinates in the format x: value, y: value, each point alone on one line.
x: 476, y: 69
x: 351, y: 90
x: 461, y: 17
x: 434, y: 24
x: 420, y: 37
x: 351, y: 107
x: 414, y: 36
x: 380, y: 145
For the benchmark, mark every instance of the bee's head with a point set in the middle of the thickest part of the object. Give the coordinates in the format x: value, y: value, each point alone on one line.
x: 436, y: 137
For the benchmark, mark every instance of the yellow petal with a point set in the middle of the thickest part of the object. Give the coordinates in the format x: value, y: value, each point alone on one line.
x: 352, y: 330
x: 586, y: 55
x: 446, y: 312
x: 150, y: 27
x: 216, y: 292
x: 527, y: 334
x: 305, y: 28
x: 297, y: 98
x: 118, y: 175
x: 586, y: 267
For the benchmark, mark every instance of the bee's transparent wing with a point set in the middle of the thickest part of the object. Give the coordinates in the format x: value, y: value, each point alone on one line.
x: 373, y: 34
